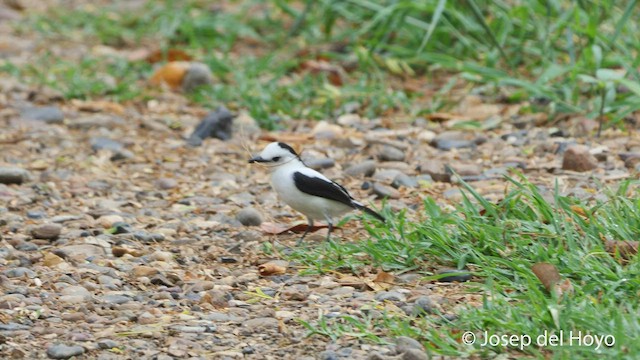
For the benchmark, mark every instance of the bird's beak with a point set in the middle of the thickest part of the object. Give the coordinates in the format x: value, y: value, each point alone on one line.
x: 257, y: 159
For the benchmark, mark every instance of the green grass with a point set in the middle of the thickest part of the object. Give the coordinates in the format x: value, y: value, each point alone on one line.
x: 499, y: 243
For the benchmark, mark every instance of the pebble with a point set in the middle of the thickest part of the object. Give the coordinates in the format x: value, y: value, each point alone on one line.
x: 460, y: 275
x: 365, y: 168
x: 106, y: 344
x: 449, y: 144
x: 61, y: 351
x: 319, y: 164
x: 19, y: 272
x: 390, y: 296
x: 47, y: 114
x: 384, y: 191
x: 415, y: 354
x: 47, y: 231
x: 262, y: 323
x: 102, y: 143
x: 578, y: 158
x: 166, y: 183
x: 249, y: 217
x: 390, y: 153
x: 189, y: 329
x: 107, y: 221
x: 436, y: 170
x: 217, y: 124
x: 405, y: 343
x: 36, y: 214
x: 423, y: 305
x: 13, y: 175
x: 198, y: 75
x: 115, y: 299
x: 328, y: 355
x: 404, y: 180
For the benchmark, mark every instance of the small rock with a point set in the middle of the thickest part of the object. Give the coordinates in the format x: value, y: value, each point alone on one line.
x: 466, y: 169
x: 166, y: 183
x: 61, y: 351
x: 189, y: 329
x: 48, y: 114
x: 578, y: 158
x: 13, y: 175
x: 198, y: 74
x: 446, y: 144
x: 390, y: 296
x: 405, y: 343
x: 366, y: 168
x: 35, y: 214
x: 217, y: 124
x: 384, y: 191
x: 405, y: 180
x: 107, y: 221
x: 328, y: 355
x: 106, y: 344
x: 115, y: 299
x: 325, y: 130
x: 415, y: 354
x: 144, y: 270
x: 249, y: 217
x: 319, y: 164
x: 47, y: 231
x: 375, y: 356
x: 460, y: 275
x: 436, y: 170
x: 102, y: 143
x: 386, y: 175
x: 261, y: 323
x: 390, y: 153
x: 19, y: 272
x: 423, y: 305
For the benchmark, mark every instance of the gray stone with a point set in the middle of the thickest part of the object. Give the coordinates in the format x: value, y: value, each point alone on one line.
x: 386, y: 175
x: 197, y: 75
x: 107, y: 344
x: 384, y: 191
x: 415, y: 354
x: 13, y: 327
x: 61, y: 351
x: 47, y: 231
x: 13, y: 175
x: 328, y: 355
x: 404, y: 180
x: 166, y: 183
x: 36, y: 214
x: 47, y: 114
x: 65, y: 218
x: 436, y: 170
x: 390, y: 296
x: 102, y: 143
x: 390, y: 153
x: 319, y: 164
x: 261, y: 323
x: 115, y: 299
x: 249, y: 217
x: 405, y: 343
x: 189, y: 329
x: 19, y: 272
x: 423, y: 305
x: 365, y: 168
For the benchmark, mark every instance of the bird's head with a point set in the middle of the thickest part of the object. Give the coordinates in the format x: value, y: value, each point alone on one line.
x: 275, y: 154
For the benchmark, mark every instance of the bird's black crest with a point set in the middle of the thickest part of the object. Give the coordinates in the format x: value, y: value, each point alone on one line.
x: 288, y: 148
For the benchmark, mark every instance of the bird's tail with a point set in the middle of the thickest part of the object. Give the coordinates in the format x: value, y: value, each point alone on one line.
x: 359, y: 206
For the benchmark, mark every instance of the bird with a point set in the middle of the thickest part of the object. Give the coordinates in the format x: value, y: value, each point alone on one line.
x: 306, y: 190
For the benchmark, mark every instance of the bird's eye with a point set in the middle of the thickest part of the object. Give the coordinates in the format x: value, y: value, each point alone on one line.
x: 277, y: 158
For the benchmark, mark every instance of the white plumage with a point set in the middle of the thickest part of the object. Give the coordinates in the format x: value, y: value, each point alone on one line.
x: 305, y: 189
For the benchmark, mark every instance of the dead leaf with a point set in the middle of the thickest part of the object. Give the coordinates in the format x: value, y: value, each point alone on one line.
x: 626, y: 249
x: 335, y: 73
x: 579, y: 210
x: 550, y: 277
x: 440, y: 117
x: 168, y: 55
x: 171, y: 74
x: 272, y: 268
x: 98, y: 106
x: 277, y: 229
x: 382, y: 281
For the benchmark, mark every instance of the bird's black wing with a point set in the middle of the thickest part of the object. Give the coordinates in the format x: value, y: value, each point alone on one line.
x: 323, y: 188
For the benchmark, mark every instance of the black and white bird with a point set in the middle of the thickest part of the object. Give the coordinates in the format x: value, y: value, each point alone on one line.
x: 305, y: 189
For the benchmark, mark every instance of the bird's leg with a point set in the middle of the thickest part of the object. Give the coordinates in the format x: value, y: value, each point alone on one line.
x: 330, y: 227
x: 309, y: 227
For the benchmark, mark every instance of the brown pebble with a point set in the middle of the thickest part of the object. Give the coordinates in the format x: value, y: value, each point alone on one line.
x: 47, y: 231
x: 578, y: 158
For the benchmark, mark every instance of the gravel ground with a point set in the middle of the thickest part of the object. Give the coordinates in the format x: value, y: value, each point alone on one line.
x: 119, y: 240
